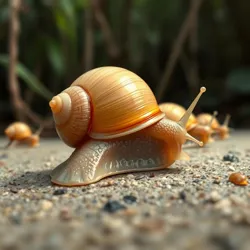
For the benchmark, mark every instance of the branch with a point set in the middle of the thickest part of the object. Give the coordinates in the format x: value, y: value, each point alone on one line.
x: 18, y: 104
x: 193, y: 47
x: 13, y: 47
x: 112, y: 48
x: 88, y: 55
x: 184, y: 31
x: 125, y: 30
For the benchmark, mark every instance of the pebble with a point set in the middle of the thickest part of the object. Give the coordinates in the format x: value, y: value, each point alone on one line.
x: 60, y: 192
x: 182, y: 195
x: 46, y: 205
x: 3, y: 156
x: 230, y: 157
x: 238, y: 179
x: 65, y: 214
x: 140, y: 177
x: 215, y: 196
x: 231, y: 168
x: 2, y: 164
x: 113, y: 206
x: 129, y: 199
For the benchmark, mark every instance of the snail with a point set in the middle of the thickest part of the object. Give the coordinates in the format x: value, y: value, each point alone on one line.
x: 20, y: 132
x: 222, y: 130
x: 112, y: 119
x: 175, y: 111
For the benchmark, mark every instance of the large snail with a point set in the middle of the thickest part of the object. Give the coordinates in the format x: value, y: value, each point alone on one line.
x: 111, y: 117
x: 202, y: 132
x: 21, y: 132
x: 222, y: 130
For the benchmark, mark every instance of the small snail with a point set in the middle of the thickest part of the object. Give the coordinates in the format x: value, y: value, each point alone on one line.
x: 110, y: 115
x: 20, y: 132
x: 175, y: 112
x: 222, y: 130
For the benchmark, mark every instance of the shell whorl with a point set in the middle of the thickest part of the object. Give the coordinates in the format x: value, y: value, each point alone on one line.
x: 72, y: 113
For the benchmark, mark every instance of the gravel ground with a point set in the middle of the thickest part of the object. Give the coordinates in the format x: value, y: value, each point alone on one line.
x: 191, y: 205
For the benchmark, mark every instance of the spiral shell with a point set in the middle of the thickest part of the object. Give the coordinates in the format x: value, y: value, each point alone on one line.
x: 18, y: 131
x: 175, y: 112
x: 104, y: 103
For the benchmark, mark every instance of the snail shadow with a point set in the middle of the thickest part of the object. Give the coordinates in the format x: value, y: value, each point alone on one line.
x: 31, y: 179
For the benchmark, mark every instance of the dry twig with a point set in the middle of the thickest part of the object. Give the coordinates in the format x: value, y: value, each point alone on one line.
x: 13, y: 47
x: 20, y: 107
x: 193, y: 48
x: 88, y: 55
x: 112, y: 47
x: 182, y: 36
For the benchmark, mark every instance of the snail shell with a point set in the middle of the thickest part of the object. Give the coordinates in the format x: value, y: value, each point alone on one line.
x: 205, y: 118
x: 21, y: 133
x: 18, y: 131
x: 175, y: 111
x: 104, y: 103
x: 222, y: 130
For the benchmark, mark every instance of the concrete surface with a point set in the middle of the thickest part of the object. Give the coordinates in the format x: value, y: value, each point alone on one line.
x: 191, y: 205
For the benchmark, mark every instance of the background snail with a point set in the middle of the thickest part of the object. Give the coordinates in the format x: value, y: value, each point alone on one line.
x: 222, y: 130
x: 175, y: 111
x: 20, y: 132
x: 111, y: 117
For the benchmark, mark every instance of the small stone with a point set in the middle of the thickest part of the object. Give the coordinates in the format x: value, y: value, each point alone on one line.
x: 223, y: 204
x: 65, y: 214
x: 215, y: 196
x: 129, y: 199
x: 108, y: 183
x: 16, y: 219
x: 182, y: 195
x: 238, y: 179
x: 150, y: 225
x: 59, y: 192
x: 216, y: 181
x: 231, y: 168
x: 47, y: 164
x: 139, y: 177
x: 3, y: 156
x: 2, y: 164
x: 14, y: 190
x: 230, y: 157
x: 151, y: 175
x: 46, y: 205
x: 113, y: 206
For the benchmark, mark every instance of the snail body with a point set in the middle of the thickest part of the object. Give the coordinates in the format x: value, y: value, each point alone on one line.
x: 175, y: 111
x: 222, y: 130
x: 20, y: 132
x: 112, y: 118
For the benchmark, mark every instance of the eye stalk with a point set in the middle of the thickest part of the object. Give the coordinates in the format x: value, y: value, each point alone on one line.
x: 183, y: 121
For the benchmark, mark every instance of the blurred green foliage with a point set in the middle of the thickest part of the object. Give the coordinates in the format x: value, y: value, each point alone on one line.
x: 52, y: 50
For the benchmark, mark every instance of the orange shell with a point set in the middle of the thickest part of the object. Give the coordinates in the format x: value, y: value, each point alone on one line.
x: 205, y: 119
x: 238, y: 179
x: 175, y: 112
x: 18, y: 131
x: 121, y: 102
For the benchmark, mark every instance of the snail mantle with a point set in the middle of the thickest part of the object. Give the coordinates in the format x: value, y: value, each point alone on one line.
x: 112, y: 119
